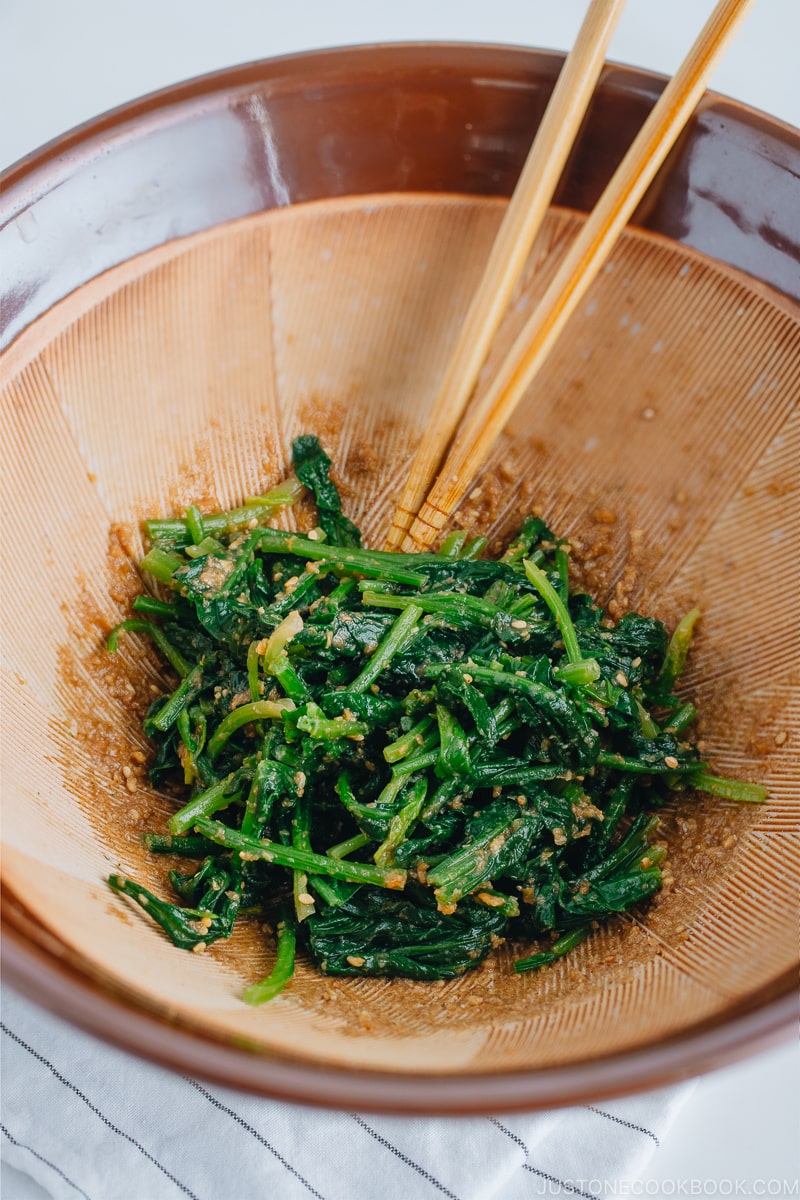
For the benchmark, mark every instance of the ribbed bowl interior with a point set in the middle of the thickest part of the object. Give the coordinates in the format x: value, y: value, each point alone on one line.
x: 662, y: 438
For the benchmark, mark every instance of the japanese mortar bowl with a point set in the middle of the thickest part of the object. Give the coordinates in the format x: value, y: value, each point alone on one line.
x: 290, y: 246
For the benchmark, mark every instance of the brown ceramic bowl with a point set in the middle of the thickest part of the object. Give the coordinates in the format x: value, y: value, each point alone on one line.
x: 196, y: 277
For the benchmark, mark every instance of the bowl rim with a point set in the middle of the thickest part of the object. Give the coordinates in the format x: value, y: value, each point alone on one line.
x: 43, y: 170
x: 198, y: 87
x: 52, y: 981
x: 56, y: 985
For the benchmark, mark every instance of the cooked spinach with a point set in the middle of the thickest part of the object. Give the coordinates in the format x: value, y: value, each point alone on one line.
x: 408, y: 757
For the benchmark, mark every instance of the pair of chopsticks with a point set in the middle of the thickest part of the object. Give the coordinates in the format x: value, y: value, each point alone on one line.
x: 452, y: 452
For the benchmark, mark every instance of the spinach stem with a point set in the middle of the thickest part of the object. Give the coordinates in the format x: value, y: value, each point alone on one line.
x: 558, y: 608
x: 395, y: 640
x: 160, y: 640
x: 282, y: 972
x: 253, y: 849
x: 257, y: 710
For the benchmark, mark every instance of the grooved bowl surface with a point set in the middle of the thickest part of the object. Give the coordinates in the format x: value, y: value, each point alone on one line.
x: 662, y: 438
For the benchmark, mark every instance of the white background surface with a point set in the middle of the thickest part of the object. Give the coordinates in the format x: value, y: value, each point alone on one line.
x: 64, y: 61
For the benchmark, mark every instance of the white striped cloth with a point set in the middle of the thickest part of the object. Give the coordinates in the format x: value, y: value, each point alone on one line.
x: 84, y: 1120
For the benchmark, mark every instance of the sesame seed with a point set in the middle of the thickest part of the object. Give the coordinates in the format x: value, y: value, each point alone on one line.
x: 305, y: 898
x: 671, y: 761
x: 621, y: 678
x: 781, y: 737
x: 127, y: 772
x: 198, y: 948
x: 355, y: 960
x: 518, y: 624
x: 636, y: 662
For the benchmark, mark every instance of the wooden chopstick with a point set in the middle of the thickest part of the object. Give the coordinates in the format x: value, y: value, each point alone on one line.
x: 522, y: 220
x: 581, y: 264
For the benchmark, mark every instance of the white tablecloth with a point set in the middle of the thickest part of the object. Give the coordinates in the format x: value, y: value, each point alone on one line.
x: 85, y: 1120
